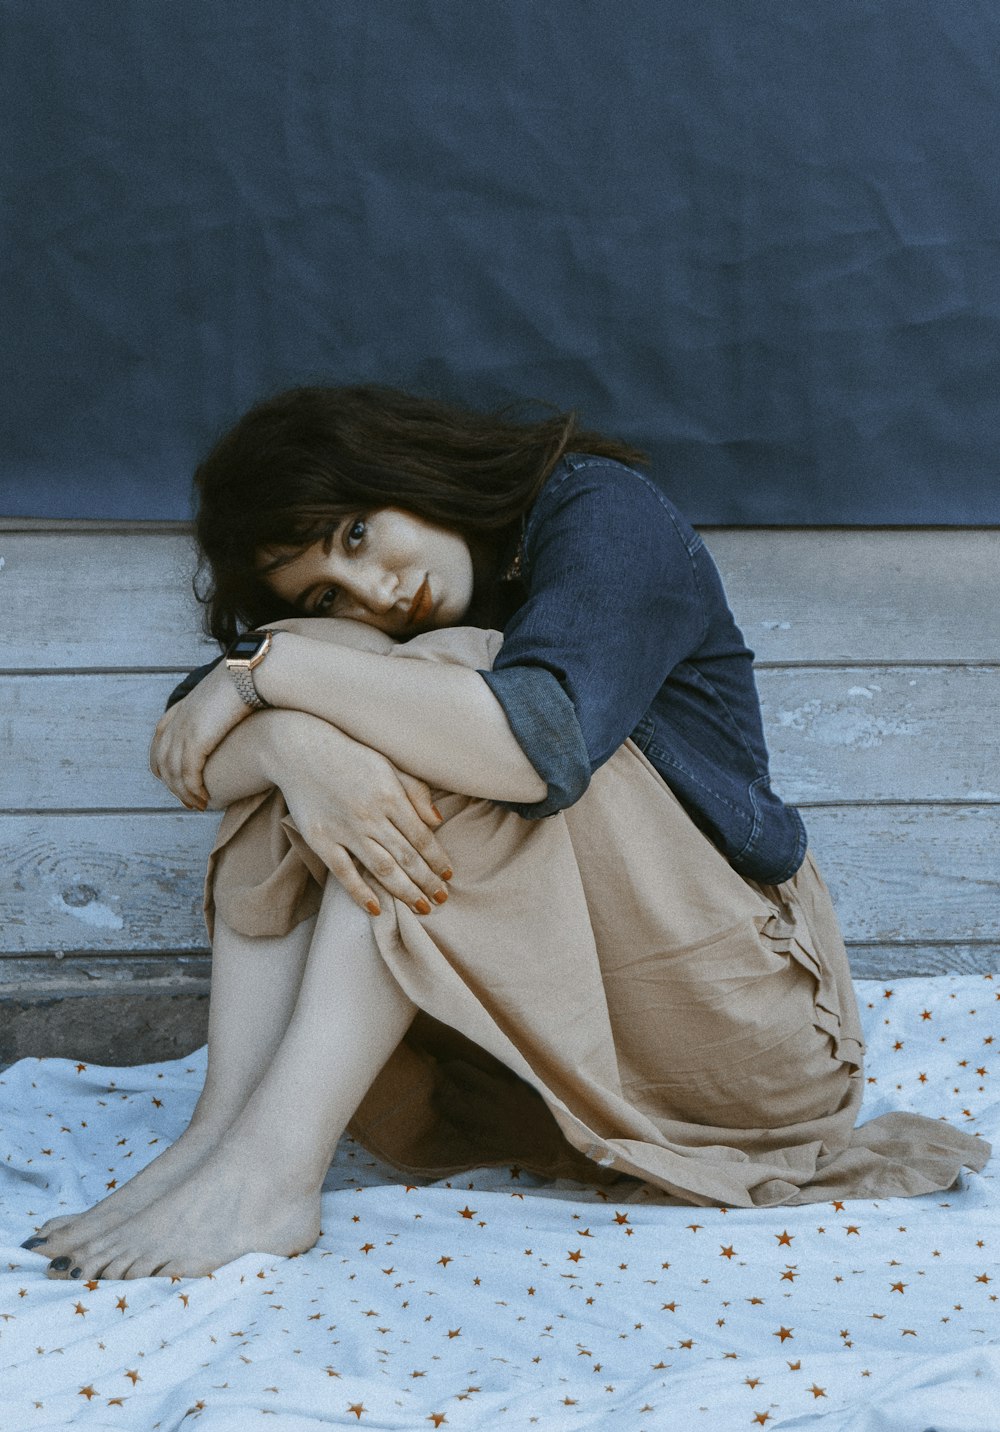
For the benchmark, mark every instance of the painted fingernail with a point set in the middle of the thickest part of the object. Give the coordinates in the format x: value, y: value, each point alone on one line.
x: 75, y: 1272
x: 422, y: 907
x: 59, y: 1265
x: 437, y: 812
x: 439, y: 896
x: 447, y: 874
x: 33, y: 1242
x: 373, y: 907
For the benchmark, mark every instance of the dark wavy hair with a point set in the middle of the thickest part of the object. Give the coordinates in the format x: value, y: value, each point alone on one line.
x: 297, y: 463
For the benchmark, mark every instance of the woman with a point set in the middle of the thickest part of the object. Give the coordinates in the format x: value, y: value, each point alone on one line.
x: 569, y: 923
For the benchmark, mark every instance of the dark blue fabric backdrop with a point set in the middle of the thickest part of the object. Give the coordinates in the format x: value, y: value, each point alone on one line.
x: 760, y: 239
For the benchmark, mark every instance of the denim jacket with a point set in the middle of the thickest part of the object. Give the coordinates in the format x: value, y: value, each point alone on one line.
x: 626, y: 632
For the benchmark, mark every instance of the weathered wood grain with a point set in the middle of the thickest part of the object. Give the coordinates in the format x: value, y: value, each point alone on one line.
x: 103, y: 882
x: 81, y: 742
x: 98, y: 599
x: 883, y: 733
x: 916, y: 594
x: 119, y: 883
x: 122, y: 599
x: 848, y: 734
x: 900, y: 962
x: 919, y: 874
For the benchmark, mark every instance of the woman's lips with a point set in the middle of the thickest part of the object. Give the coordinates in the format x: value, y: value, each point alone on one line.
x: 420, y: 607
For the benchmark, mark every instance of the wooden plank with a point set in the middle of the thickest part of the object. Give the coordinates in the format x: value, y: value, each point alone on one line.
x: 122, y: 599
x: 117, y: 883
x: 99, y: 599
x: 918, y: 874
x: 849, y: 734
x: 900, y: 962
x: 82, y: 742
x: 882, y: 733
x: 837, y: 594
x: 103, y: 882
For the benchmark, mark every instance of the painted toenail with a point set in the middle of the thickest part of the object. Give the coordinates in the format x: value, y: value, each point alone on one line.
x: 59, y: 1265
x: 33, y: 1242
x: 75, y: 1272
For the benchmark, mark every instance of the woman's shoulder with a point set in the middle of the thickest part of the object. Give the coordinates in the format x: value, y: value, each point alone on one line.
x: 602, y: 486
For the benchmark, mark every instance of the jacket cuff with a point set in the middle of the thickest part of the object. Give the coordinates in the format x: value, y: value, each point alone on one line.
x: 543, y: 720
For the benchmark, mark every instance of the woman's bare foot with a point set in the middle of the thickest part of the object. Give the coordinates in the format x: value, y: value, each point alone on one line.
x: 167, y: 1170
x: 229, y: 1205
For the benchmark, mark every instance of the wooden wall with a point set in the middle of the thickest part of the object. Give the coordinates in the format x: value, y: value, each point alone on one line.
x: 879, y: 666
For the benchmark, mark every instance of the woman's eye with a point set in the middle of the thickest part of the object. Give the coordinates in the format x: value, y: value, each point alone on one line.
x: 324, y: 601
x: 355, y: 533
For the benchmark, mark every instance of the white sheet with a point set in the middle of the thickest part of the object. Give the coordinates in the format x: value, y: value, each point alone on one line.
x: 498, y: 1301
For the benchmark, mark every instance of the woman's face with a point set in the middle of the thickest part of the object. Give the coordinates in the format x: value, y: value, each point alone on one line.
x: 388, y: 568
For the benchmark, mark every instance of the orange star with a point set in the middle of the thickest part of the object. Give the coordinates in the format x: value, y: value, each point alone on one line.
x: 751, y: 1381
x: 789, y: 1275
x: 444, y: 1260
x: 465, y: 1212
x: 727, y: 1252
x: 784, y: 1239
x: 81, y: 1310
x: 357, y: 1408
x: 437, y: 1418
x: 455, y: 1333
x: 983, y: 1278
x: 694, y: 1226
x: 121, y: 1305
x: 897, y: 1287
x: 783, y: 1334
x: 133, y: 1377
x: 761, y: 1417
x: 88, y: 1392
x: 669, y: 1307
x: 817, y: 1391
x: 795, y: 1366
x: 116, y: 1402
x: 575, y: 1257
x: 621, y: 1217
x: 367, y: 1247
x: 687, y: 1342
x: 853, y: 1228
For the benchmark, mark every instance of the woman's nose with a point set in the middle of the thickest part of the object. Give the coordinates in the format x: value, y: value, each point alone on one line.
x: 376, y: 590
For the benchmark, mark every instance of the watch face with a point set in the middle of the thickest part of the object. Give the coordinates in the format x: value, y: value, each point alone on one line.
x: 245, y: 646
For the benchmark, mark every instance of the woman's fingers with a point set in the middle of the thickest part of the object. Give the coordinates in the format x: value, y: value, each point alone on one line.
x: 401, y: 871
x: 344, y: 869
x: 418, y: 825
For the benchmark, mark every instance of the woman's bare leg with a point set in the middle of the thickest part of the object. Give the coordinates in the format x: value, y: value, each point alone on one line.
x: 258, y: 1189
x: 255, y: 983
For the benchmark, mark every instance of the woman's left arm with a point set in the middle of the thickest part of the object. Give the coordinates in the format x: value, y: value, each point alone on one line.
x: 436, y: 721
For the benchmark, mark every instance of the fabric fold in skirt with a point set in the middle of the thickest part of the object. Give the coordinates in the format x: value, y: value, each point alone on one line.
x: 602, y: 994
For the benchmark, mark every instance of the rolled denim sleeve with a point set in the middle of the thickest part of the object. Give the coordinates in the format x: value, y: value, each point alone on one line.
x: 613, y: 605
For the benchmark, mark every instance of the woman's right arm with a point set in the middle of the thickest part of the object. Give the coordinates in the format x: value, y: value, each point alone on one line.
x: 346, y: 800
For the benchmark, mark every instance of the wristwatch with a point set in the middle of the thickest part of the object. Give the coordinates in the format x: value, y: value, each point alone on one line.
x: 244, y: 655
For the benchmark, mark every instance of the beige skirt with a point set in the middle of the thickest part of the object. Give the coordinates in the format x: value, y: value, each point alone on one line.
x: 603, y: 995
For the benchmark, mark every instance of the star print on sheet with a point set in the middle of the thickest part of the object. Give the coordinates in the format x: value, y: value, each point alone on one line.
x: 499, y: 1300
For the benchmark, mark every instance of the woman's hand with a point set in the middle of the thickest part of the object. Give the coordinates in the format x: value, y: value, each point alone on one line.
x: 351, y: 805
x: 189, y: 732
